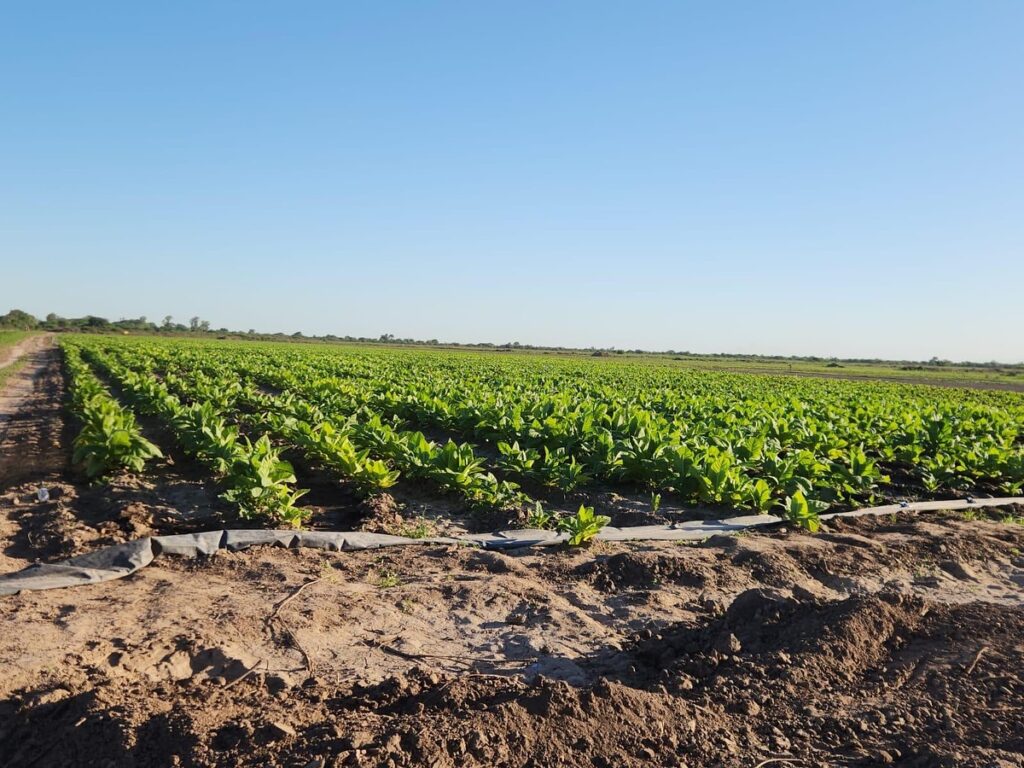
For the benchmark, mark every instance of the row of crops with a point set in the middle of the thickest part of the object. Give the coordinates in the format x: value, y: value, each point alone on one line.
x: 501, y: 430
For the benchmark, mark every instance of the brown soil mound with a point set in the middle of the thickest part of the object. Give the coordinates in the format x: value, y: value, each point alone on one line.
x: 876, y: 680
x: 877, y: 654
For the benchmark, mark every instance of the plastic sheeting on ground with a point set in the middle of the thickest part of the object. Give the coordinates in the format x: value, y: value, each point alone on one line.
x: 125, y: 559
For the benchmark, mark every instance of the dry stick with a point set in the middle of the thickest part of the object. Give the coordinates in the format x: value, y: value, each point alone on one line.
x: 245, y: 674
x: 574, y: 649
x: 464, y: 659
x: 465, y: 675
x: 481, y: 675
x: 293, y: 595
x: 976, y: 659
x: 777, y: 760
x: 305, y: 656
x: 307, y: 661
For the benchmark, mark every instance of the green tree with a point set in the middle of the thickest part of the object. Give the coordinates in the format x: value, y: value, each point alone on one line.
x: 16, y: 318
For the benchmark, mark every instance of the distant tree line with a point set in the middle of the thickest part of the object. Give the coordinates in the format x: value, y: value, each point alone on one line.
x: 20, y: 320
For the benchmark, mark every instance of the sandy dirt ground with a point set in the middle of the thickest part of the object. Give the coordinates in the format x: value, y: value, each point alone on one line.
x: 884, y: 641
x: 30, y: 418
x: 29, y: 346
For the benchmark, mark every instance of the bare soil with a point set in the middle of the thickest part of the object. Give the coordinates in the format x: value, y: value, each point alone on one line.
x: 27, y: 346
x: 878, y: 641
x: 967, y: 382
x: 30, y: 420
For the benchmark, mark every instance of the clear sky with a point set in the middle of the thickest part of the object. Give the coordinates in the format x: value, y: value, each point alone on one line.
x: 771, y: 177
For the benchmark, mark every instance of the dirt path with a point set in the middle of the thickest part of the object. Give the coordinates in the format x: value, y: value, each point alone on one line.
x: 25, y: 347
x: 32, y: 441
x: 31, y: 420
x: 35, y: 450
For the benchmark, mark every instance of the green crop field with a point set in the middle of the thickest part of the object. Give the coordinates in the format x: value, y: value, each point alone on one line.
x: 1008, y: 377
x: 507, y: 431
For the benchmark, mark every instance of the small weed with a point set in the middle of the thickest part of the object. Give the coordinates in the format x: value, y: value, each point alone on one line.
x: 598, y: 547
x: 388, y: 579
x: 420, y: 528
x: 327, y: 571
x: 692, y: 542
x: 406, y: 606
x: 655, y: 502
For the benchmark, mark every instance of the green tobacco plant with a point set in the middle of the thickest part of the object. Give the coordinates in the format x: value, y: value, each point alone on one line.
x: 803, y: 511
x: 566, y: 473
x: 261, y: 484
x: 110, y: 439
x: 735, y: 441
x: 759, y: 494
x: 515, y: 459
x: 583, y: 526
x: 333, y: 448
x: 540, y: 519
x: 205, y: 433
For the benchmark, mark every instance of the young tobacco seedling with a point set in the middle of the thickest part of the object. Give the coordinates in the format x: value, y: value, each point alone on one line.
x: 583, y: 526
x: 803, y: 511
x: 540, y: 519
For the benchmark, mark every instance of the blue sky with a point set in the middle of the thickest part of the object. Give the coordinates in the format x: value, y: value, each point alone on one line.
x: 793, y: 177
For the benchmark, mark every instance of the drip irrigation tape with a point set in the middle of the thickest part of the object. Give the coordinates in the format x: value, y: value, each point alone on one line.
x: 122, y: 560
